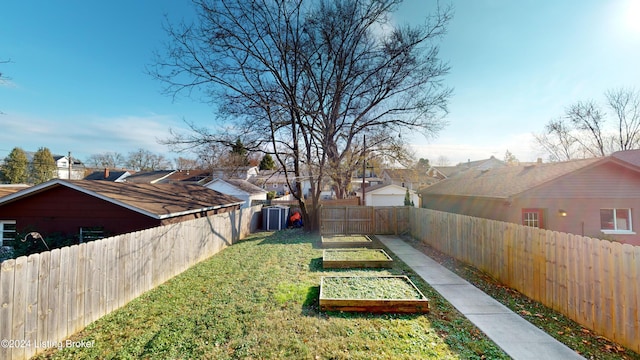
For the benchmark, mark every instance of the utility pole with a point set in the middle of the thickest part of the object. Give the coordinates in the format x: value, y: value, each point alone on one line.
x: 69, y: 158
x: 364, y: 165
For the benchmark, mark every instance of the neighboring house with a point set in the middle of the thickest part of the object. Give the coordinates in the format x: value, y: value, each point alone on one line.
x: 387, y: 195
x: 411, y: 179
x: 149, y: 177
x: 240, y: 172
x: 239, y: 188
x: 109, y: 175
x: 592, y: 197
x: 273, y: 180
x: 69, y: 170
x: 111, y: 208
x: 445, y: 172
x: 64, y: 169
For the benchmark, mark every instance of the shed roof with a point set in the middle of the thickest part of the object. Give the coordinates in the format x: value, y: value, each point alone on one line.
x: 155, y: 200
x: 242, y: 185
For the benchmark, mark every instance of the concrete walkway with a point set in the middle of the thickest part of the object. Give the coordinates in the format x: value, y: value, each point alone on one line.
x: 516, y: 336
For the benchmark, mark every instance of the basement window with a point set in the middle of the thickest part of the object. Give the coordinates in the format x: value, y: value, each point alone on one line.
x: 7, y: 232
x: 90, y: 233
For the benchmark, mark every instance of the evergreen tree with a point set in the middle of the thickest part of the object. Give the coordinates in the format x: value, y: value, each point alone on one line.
x: 239, y: 154
x: 407, y: 199
x: 267, y: 163
x: 16, y: 167
x: 43, y: 166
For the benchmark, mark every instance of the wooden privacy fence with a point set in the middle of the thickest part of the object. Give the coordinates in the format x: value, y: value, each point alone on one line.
x: 46, y: 297
x: 594, y: 282
x: 363, y: 219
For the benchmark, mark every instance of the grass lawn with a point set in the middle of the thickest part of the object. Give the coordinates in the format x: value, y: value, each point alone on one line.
x: 258, y: 299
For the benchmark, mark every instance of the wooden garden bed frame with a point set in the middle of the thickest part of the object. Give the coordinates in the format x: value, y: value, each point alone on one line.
x: 415, y: 305
x: 356, y: 261
x: 345, y: 241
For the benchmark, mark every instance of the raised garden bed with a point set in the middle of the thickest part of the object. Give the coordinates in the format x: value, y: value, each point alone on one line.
x: 346, y: 241
x: 355, y: 258
x: 374, y: 294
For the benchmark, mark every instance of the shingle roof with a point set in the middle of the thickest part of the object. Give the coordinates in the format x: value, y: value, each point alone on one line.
x: 149, y: 176
x: 155, y: 200
x: 99, y: 175
x: 188, y: 176
x: 506, y: 181
x: 11, y: 188
x: 246, y: 186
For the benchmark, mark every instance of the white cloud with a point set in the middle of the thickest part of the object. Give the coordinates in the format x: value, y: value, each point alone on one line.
x: 87, y: 135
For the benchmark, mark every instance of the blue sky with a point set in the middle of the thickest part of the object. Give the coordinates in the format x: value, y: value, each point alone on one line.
x: 78, y: 82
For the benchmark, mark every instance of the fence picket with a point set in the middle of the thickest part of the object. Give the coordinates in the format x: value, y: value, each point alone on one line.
x: 19, y: 304
x: 31, y: 319
x: 7, y: 269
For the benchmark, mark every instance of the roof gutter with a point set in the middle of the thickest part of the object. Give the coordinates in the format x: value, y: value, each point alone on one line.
x: 182, y: 213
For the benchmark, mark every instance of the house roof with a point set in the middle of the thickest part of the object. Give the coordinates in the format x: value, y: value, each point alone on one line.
x: 159, y: 201
x: 409, y: 175
x: 113, y: 175
x: 7, y: 189
x: 194, y: 176
x: 242, y: 185
x: 505, y: 182
x: 149, y: 177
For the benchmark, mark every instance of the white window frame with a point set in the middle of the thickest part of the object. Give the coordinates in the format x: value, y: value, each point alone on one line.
x: 615, y: 229
x: 2, y: 230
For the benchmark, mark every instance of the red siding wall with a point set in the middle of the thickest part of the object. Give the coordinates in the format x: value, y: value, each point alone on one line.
x: 581, y: 195
x: 61, y: 209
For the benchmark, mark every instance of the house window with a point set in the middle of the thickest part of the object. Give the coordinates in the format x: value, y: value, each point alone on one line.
x: 615, y: 221
x: 7, y: 232
x: 533, y: 218
x: 91, y: 233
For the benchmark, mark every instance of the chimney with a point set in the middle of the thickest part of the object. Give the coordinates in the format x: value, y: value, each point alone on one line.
x: 106, y: 173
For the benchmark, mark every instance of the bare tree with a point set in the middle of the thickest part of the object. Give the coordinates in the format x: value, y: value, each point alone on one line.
x: 588, y: 118
x: 145, y: 160
x: 110, y: 160
x: 443, y: 161
x: 306, y: 80
x: 558, y: 141
x: 3, y: 78
x: 625, y: 104
x: 585, y: 132
x: 183, y: 163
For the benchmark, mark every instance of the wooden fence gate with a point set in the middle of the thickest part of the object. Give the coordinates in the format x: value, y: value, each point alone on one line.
x: 364, y: 219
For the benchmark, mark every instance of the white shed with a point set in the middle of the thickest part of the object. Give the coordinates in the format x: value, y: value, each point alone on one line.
x: 387, y: 195
x: 239, y: 188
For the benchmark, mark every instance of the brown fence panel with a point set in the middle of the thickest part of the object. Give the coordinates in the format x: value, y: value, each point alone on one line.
x: 339, y: 219
x: 594, y: 282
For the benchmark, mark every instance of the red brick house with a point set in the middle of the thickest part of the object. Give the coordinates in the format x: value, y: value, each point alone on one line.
x: 597, y: 197
x: 71, y: 207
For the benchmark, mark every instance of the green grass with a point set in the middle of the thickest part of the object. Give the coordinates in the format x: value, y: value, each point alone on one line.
x: 258, y: 299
